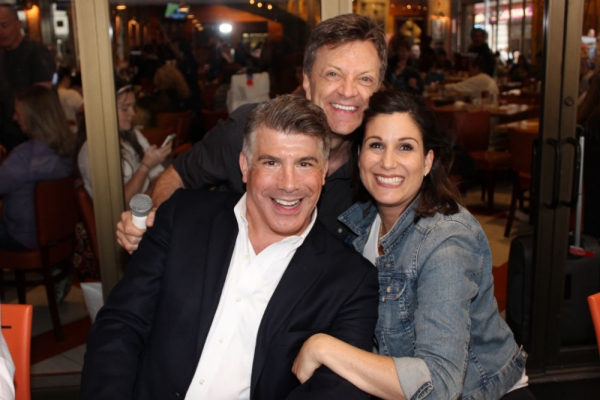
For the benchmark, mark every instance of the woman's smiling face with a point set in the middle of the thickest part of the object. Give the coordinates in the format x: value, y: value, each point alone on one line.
x: 392, y: 161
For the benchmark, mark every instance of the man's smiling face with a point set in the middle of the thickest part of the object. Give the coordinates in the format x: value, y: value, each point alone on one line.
x: 283, y: 182
x: 342, y: 81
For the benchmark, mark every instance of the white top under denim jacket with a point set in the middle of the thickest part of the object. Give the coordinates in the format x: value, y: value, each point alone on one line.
x: 438, y: 317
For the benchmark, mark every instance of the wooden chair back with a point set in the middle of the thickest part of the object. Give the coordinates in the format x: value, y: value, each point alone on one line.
x: 86, y: 210
x: 521, y: 149
x: 156, y: 136
x: 212, y: 118
x: 474, y: 130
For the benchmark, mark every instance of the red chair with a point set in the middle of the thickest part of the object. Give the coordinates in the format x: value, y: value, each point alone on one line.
x: 594, y: 303
x: 16, y: 329
x: 212, y: 118
x: 156, y: 136
x: 86, y: 210
x: 180, y: 120
x: 521, y: 150
x: 55, y: 218
x: 474, y: 136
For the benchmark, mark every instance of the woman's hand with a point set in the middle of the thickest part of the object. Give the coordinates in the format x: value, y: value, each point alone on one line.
x: 306, y: 363
x: 155, y: 155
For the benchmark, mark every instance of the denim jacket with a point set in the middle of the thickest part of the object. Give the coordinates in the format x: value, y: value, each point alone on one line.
x: 438, y: 318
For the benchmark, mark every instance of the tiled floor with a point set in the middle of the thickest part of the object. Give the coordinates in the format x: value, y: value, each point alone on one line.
x: 63, y: 369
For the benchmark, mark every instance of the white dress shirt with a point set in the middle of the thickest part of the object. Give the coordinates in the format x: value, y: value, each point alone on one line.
x: 225, y: 366
x: 475, y: 85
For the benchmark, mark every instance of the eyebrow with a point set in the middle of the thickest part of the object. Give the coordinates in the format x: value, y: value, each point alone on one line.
x: 273, y: 158
x: 399, y: 139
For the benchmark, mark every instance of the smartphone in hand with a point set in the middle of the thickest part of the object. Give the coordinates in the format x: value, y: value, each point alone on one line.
x: 168, y: 140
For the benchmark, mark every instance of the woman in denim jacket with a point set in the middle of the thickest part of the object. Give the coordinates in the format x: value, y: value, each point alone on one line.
x: 439, y: 334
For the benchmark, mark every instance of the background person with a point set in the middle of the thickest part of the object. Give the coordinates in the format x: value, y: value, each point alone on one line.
x: 439, y: 333
x: 47, y: 155
x: 140, y: 162
x: 23, y: 62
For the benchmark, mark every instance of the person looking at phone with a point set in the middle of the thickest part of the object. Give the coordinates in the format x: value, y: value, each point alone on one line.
x: 141, y: 163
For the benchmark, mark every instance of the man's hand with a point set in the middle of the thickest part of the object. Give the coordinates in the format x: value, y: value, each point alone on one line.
x: 128, y: 235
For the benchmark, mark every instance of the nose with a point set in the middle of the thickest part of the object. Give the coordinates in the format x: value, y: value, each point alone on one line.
x: 288, y: 181
x: 347, y: 87
x: 388, y: 159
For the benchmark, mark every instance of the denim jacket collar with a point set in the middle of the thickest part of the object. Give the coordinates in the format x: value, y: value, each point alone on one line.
x: 360, y: 217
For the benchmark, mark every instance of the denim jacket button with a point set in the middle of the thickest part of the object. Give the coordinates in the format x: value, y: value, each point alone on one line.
x: 388, y: 264
x: 389, y: 289
x: 383, y: 299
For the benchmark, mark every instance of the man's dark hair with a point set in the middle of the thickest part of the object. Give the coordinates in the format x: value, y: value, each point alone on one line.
x: 289, y: 114
x: 346, y: 28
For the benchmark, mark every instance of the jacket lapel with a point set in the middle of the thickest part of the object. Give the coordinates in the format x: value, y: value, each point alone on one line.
x: 221, y: 243
x: 303, y: 270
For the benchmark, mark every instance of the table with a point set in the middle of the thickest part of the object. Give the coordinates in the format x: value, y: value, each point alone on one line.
x: 531, y: 126
x: 499, y: 135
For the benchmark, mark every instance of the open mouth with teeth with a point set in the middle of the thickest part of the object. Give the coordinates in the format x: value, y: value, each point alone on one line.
x: 287, y: 204
x: 343, y: 107
x: 389, y: 180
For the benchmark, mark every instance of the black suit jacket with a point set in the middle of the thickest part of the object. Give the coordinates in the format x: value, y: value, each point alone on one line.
x: 148, y: 338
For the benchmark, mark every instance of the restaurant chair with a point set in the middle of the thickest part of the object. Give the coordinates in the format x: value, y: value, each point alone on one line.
x: 182, y: 149
x: 474, y: 136
x: 86, y: 210
x: 521, y: 150
x: 594, y: 303
x: 447, y: 121
x: 16, y: 329
x: 55, y: 218
x: 180, y: 120
x: 210, y: 119
x: 156, y: 136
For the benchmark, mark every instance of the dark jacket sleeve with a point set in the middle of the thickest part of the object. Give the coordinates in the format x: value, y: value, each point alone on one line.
x: 214, y: 161
x: 354, y: 324
x: 122, y: 327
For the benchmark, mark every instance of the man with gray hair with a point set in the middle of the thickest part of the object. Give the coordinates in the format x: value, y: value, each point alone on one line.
x: 23, y: 62
x: 225, y: 288
x: 344, y: 64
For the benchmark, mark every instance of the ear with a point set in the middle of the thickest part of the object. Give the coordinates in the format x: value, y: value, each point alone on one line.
x: 306, y: 86
x: 325, y: 169
x: 244, y: 167
x: 428, y: 162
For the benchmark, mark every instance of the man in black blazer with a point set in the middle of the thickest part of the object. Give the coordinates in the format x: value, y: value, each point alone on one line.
x: 149, y: 340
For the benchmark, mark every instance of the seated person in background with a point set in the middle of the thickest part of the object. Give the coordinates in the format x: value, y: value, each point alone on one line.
x: 225, y: 287
x: 7, y: 372
x: 140, y: 162
x: 519, y: 72
x: 442, y: 62
x: 585, y: 74
x: 220, y: 96
x: 70, y: 99
x: 477, y: 82
x: 402, y: 72
x: 47, y: 155
x: 439, y: 334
